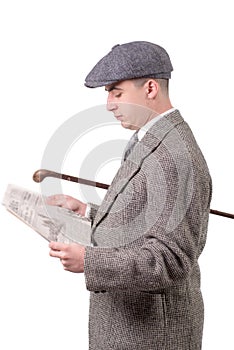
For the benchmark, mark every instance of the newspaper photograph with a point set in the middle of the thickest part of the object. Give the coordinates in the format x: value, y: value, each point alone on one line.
x: 51, y: 222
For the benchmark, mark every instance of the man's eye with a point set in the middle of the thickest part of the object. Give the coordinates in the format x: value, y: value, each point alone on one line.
x: 118, y: 95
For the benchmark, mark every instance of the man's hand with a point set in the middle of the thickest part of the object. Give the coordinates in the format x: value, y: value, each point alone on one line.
x: 70, y: 255
x: 65, y: 201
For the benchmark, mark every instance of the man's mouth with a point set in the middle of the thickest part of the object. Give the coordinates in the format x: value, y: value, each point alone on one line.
x: 119, y: 117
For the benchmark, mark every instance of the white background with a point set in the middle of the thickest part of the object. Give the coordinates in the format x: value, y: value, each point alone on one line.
x: 47, y: 49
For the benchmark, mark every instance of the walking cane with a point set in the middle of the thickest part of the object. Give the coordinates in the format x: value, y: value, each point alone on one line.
x: 41, y: 174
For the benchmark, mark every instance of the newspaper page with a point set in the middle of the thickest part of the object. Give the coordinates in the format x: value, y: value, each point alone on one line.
x: 51, y: 222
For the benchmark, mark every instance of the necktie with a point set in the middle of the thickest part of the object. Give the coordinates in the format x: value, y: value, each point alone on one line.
x: 130, y: 145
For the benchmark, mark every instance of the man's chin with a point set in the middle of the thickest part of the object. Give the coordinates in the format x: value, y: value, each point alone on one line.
x: 126, y: 125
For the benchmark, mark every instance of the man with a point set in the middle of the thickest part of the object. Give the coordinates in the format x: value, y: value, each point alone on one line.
x: 150, y: 229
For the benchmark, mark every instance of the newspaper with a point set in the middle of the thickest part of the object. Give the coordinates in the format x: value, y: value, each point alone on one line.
x: 51, y: 222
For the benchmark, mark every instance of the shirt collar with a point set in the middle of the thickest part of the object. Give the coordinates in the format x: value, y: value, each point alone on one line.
x: 142, y: 131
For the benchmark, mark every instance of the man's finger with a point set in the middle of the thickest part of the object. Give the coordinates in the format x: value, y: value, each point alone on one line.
x: 57, y: 245
x: 57, y: 199
x: 56, y: 253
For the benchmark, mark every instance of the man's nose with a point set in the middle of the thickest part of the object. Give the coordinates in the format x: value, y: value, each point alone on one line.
x: 111, y: 106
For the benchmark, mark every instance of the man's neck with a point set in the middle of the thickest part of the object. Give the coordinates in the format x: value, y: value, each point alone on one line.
x: 142, y: 131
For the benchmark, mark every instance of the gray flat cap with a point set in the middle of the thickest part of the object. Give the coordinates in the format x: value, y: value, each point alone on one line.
x: 137, y: 59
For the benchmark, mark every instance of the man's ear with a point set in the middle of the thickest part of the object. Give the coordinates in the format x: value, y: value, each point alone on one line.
x: 151, y: 88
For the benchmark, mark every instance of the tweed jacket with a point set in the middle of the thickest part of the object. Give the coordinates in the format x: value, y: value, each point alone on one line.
x: 148, y: 233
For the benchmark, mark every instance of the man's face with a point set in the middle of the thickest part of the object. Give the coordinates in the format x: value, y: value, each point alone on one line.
x: 128, y: 102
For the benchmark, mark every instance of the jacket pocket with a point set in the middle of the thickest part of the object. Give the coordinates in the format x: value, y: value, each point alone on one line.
x: 138, y: 321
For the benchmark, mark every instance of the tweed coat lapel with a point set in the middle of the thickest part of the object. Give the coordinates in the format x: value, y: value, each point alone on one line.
x: 153, y: 137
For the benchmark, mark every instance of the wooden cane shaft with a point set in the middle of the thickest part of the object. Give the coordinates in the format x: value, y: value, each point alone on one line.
x: 41, y: 174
